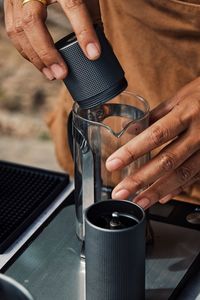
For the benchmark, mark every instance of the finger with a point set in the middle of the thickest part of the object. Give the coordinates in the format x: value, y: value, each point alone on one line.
x: 165, y: 162
x: 165, y: 107
x: 167, y: 184
x: 194, y: 179
x: 159, y: 133
x: 170, y: 196
x: 160, y: 111
x: 10, y: 27
x: 34, y: 15
x: 79, y: 17
x: 26, y: 49
x: 179, y: 190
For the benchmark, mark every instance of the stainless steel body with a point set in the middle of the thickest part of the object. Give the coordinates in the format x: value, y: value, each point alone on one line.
x: 97, y: 133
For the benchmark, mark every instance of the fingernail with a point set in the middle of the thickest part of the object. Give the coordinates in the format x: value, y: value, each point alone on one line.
x: 114, y: 164
x: 92, y: 51
x: 48, y: 73
x: 121, y: 194
x: 144, y: 202
x: 57, y: 71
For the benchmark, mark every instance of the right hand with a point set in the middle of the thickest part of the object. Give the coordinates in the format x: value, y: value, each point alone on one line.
x: 25, y: 25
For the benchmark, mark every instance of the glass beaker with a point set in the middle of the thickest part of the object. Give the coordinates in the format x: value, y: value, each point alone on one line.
x: 97, y: 133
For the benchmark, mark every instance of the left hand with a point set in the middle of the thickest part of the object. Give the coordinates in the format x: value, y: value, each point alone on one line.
x: 177, y: 123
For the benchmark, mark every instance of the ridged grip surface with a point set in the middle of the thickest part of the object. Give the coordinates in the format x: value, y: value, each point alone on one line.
x: 115, y: 263
x: 91, y: 82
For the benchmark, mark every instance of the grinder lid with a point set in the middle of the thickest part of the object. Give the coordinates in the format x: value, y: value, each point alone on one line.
x: 91, y: 82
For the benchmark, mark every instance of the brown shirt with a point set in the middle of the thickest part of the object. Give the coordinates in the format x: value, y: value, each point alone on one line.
x: 158, y: 45
x: 157, y: 42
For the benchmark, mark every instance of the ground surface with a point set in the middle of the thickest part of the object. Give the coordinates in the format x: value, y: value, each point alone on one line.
x: 28, y: 151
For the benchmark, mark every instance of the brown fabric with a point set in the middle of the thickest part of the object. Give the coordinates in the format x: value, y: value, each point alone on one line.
x: 158, y: 45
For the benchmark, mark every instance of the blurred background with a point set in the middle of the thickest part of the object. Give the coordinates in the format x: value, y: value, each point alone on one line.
x: 25, y: 98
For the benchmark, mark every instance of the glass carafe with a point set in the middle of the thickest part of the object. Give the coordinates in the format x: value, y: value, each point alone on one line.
x: 97, y: 133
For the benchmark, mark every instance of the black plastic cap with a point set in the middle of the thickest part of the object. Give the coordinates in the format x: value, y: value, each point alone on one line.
x: 91, y: 83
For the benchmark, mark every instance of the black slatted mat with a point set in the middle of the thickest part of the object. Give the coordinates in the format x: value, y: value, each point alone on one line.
x: 24, y: 193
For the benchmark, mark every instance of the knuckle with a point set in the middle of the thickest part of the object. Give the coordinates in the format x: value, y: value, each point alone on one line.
x: 73, y: 4
x: 181, y: 120
x: 33, y: 58
x: 195, y: 109
x: 156, y: 194
x: 136, y: 183
x: 36, y: 61
x: 18, y: 26
x: 10, y: 31
x: 167, y: 162
x: 184, y: 174
x: 178, y: 191
x: 22, y: 52
x: 30, y: 18
x: 129, y: 154
x: 159, y: 135
x: 82, y: 34
x: 192, y: 110
x: 45, y: 54
x: 197, y: 177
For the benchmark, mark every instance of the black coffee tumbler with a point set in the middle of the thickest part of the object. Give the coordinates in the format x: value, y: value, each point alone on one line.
x: 91, y: 82
x: 115, y: 251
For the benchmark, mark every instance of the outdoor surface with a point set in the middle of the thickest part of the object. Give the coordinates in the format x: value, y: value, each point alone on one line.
x: 25, y: 98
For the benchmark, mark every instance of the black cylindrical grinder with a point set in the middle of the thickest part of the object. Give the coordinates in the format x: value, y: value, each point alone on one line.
x: 91, y: 82
x: 12, y: 290
x: 115, y: 251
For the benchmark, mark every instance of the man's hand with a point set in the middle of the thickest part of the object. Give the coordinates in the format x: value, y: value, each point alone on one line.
x: 177, y: 123
x: 26, y: 28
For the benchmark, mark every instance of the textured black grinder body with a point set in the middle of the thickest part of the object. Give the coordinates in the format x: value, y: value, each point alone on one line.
x: 91, y: 82
x: 115, y: 258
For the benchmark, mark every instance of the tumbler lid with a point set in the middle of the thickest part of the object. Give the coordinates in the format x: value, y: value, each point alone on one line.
x: 91, y: 82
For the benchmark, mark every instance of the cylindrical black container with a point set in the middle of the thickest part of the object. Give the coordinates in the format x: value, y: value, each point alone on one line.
x: 115, y: 251
x: 12, y: 290
x: 91, y: 82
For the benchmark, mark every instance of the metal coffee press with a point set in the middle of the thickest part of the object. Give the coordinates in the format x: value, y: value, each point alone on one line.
x: 115, y: 251
x: 103, y: 119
